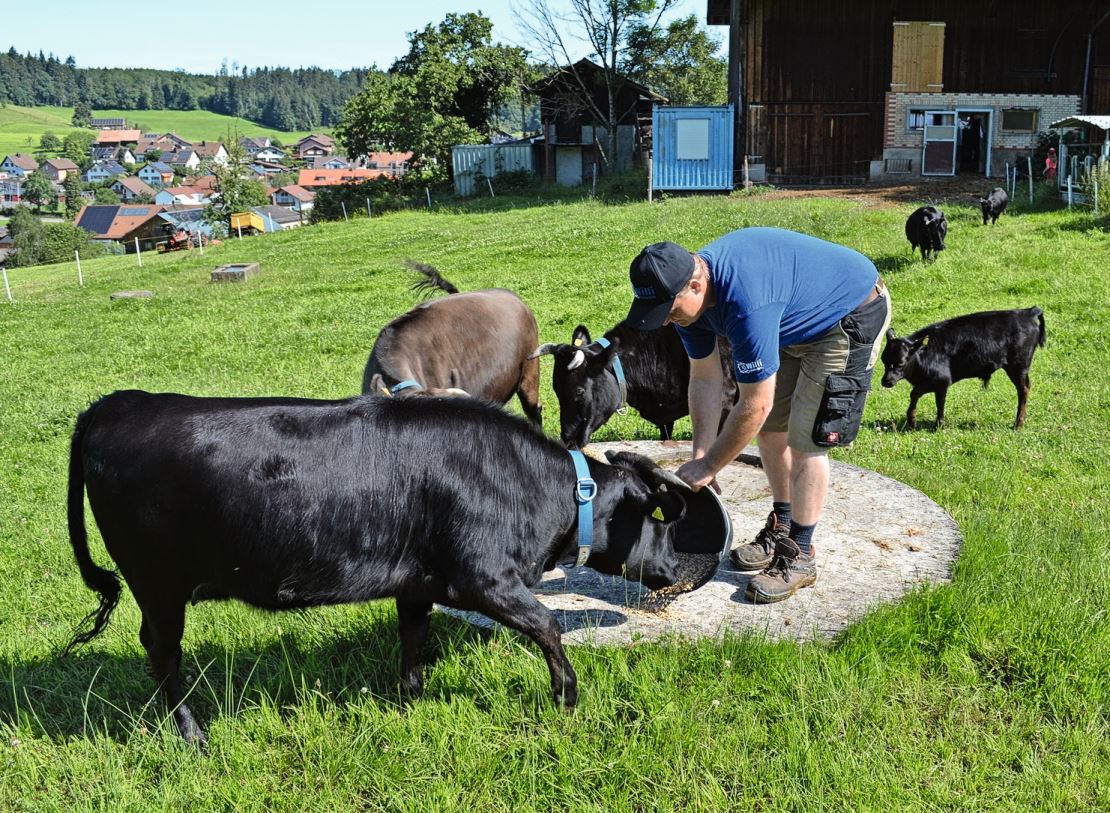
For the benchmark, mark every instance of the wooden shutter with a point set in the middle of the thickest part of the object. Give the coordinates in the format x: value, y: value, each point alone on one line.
x: 918, y: 60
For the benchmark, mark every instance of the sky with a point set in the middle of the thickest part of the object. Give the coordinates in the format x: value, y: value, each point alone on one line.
x: 200, y: 34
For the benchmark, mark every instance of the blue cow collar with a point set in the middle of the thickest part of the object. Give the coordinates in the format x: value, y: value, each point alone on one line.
x: 618, y: 371
x: 585, y: 489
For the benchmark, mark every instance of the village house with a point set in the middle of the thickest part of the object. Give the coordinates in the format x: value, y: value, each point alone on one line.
x: 108, y: 124
x: 271, y: 154
x: 181, y: 195
x: 129, y: 188
x: 125, y: 224
x: 103, y: 171
x: 167, y: 142
x: 122, y: 155
x: 252, y: 144
x: 393, y: 164
x: 212, y: 151
x: 18, y: 165
x: 183, y: 159
x: 114, y: 138
x: 56, y: 169
x: 851, y: 91
x: 312, y: 178
x: 312, y: 146
x: 157, y: 173
x: 329, y: 162
x: 294, y: 197
x: 5, y: 244
x: 11, y: 190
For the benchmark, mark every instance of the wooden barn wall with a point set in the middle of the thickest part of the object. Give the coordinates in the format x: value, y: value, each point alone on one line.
x: 817, y: 70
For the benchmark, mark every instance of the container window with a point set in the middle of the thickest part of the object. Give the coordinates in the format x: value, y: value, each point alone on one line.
x: 1024, y: 121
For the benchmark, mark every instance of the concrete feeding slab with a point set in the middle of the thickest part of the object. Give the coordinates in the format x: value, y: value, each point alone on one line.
x: 878, y: 540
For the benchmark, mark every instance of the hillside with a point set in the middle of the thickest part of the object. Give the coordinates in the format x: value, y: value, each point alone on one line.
x: 21, y: 127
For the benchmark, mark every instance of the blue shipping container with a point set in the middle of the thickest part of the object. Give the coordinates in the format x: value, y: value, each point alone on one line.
x: 692, y: 147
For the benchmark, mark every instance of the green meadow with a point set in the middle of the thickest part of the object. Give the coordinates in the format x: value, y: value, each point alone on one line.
x: 988, y: 693
x: 22, y: 127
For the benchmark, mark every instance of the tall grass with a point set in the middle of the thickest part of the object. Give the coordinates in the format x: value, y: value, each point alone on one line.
x: 986, y: 694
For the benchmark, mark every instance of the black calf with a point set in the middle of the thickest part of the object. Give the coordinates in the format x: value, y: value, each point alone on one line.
x: 972, y: 346
x: 994, y: 204
x: 926, y: 229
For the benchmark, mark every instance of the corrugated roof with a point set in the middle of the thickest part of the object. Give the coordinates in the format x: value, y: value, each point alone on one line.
x: 1101, y: 122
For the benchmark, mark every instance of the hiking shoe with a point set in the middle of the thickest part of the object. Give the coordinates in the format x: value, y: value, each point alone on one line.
x: 790, y: 569
x: 757, y: 554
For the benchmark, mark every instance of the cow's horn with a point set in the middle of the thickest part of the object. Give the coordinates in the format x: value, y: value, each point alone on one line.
x: 578, y: 360
x: 543, y: 350
x: 669, y: 477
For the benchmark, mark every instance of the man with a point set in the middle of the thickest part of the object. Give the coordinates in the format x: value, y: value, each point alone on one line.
x: 805, y: 318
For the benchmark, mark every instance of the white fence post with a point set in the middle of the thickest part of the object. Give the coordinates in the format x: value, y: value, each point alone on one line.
x: 1069, y: 191
x: 369, y: 213
x: 1029, y: 164
x: 344, y: 205
x: 428, y: 192
x: 6, y: 286
x: 138, y: 253
x: 80, y: 279
x: 488, y: 181
x: 651, y: 165
x: 1095, y: 177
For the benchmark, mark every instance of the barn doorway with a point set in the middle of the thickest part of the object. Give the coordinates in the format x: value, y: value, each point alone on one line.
x: 973, y: 142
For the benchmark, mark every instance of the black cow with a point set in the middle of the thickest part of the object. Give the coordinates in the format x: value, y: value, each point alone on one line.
x: 926, y: 229
x: 478, y: 342
x: 972, y: 346
x: 288, y: 503
x: 994, y: 204
x: 657, y: 376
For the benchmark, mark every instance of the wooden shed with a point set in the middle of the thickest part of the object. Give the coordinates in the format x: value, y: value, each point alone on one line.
x: 837, y: 91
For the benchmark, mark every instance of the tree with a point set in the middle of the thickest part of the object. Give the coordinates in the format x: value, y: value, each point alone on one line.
x: 448, y: 89
x: 681, y: 62
x: 105, y: 196
x: 26, y: 232
x: 76, y: 146
x: 81, y: 114
x: 38, y: 190
x: 234, y: 190
x: 606, y: 27
x: 74, y: 199
x: 49, y: 142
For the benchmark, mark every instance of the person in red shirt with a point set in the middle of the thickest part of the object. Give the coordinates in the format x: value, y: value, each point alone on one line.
x: 1050, y: 164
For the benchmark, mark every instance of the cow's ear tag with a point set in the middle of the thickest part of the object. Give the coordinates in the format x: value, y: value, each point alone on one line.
x: 657, y: 513
x: 925, y: 342
x: 385, y: 391
x: 579, y: 342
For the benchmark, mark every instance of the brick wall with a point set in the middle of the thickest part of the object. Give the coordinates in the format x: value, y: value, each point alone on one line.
x: 1006, y: 146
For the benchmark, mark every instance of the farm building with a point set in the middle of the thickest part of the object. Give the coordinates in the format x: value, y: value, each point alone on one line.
x: 125, y: 224
x: 842, y: 91
x: 572, y: 142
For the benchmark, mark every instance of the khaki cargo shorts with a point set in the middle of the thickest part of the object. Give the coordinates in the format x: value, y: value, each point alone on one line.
x: 822, y: 385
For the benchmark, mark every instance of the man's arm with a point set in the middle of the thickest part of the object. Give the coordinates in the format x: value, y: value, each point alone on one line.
x: 704, y: 397
x: 743, y: 423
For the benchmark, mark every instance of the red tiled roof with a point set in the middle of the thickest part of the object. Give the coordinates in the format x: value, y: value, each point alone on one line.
x: 25, y: 162
x: 62, y: 164
x: 120, y: 225
x: 298, y: 192
x: 309, y: 178
x: 117, y: 136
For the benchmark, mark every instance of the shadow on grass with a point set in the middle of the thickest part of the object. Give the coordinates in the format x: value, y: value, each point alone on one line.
x: 897, y: 263
x: 90, y: 692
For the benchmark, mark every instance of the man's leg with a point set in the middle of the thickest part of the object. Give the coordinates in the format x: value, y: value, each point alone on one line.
x: 775, y: 454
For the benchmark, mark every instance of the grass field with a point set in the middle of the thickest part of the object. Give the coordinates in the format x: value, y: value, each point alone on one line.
x: 986, y: 694
x: 18, y: 124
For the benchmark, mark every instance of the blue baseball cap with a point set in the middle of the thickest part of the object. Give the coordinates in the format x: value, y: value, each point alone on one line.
x: 658, y: 275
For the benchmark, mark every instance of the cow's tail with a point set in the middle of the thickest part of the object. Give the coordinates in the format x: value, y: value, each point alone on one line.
x: 104, y: 582
x: 432, y: 280
x: 1040, y: 318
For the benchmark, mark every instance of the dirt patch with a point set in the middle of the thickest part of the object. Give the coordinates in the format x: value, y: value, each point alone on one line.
x: 920, y: 191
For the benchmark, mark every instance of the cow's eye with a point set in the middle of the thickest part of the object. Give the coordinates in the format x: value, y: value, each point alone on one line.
x: 580, y: 393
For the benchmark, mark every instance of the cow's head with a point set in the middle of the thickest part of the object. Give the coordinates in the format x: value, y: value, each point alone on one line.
x: 379, y: 387
x: 585, y: 384
x: 898, y: 355
x: 939, y: 225
x: 634, y: 525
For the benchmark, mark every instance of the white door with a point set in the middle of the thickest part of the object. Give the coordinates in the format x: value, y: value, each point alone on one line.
x: 568, y: 166
x: 938, y: 156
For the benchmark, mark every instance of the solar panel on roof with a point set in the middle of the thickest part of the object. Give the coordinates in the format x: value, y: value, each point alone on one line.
x: 98, y: 219
x: 133, y: 211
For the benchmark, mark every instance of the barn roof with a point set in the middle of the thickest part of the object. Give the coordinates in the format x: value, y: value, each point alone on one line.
x: 1101, y: 122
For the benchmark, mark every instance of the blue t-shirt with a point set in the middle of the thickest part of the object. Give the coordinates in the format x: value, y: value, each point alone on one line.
x: 774, y: 288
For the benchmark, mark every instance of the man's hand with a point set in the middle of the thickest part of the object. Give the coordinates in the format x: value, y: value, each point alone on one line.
x: 697, y: 475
